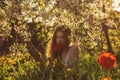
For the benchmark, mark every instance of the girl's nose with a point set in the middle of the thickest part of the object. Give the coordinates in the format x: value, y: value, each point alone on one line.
x: 59, y: 41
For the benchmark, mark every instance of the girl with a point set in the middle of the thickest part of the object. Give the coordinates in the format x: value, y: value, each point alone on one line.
x: 60, y: 48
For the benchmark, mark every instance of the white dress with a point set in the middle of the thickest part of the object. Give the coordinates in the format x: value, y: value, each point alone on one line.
x: 72, y: 56
x: 67, y: 58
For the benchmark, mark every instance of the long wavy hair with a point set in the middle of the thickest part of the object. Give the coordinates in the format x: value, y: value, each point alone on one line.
x: 50, y: 48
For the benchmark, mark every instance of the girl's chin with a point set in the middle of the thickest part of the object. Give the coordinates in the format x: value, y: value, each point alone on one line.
x: 59, y: 43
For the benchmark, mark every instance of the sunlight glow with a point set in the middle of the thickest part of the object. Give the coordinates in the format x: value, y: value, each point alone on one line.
x: 116, y: 5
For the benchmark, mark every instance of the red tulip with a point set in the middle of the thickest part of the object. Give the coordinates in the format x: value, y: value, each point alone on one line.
x: 107, y: 60
x: 57, y: 47
x: 106, y: 79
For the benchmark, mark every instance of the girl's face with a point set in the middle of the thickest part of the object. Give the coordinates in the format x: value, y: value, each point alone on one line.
x: 59, y: 37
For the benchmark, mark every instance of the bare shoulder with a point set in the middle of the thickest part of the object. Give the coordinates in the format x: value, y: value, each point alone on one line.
x: 73, y: 46
x: 74, y: 49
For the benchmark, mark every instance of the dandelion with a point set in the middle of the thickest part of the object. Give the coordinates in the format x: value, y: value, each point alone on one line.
x: 19, y: 55
x: 12, y: 62
x: 27, y: 55
x: 2, y: 59
x: 107, y: 60
x: 69, y: 69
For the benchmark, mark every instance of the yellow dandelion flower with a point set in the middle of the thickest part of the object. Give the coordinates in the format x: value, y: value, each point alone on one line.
x: 12, y: 62
x: 2, y: 59
x: 27, y: 54
x: 69, y: 69
x: 19, y: 55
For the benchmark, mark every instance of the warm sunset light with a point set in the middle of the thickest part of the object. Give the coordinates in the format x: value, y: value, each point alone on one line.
x: 116, y: 5
x: 59, y: 39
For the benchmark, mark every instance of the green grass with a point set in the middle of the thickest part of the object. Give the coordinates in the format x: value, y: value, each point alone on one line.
x: 24, y: 67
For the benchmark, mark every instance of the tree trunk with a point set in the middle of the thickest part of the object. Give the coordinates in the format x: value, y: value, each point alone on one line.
x: 105, y: 30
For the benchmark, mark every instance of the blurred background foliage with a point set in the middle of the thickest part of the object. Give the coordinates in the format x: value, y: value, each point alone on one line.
x: 34, y: 21
x: 26, y: 26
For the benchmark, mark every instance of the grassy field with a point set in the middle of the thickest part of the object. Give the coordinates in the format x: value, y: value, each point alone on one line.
x: 23, y: 67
